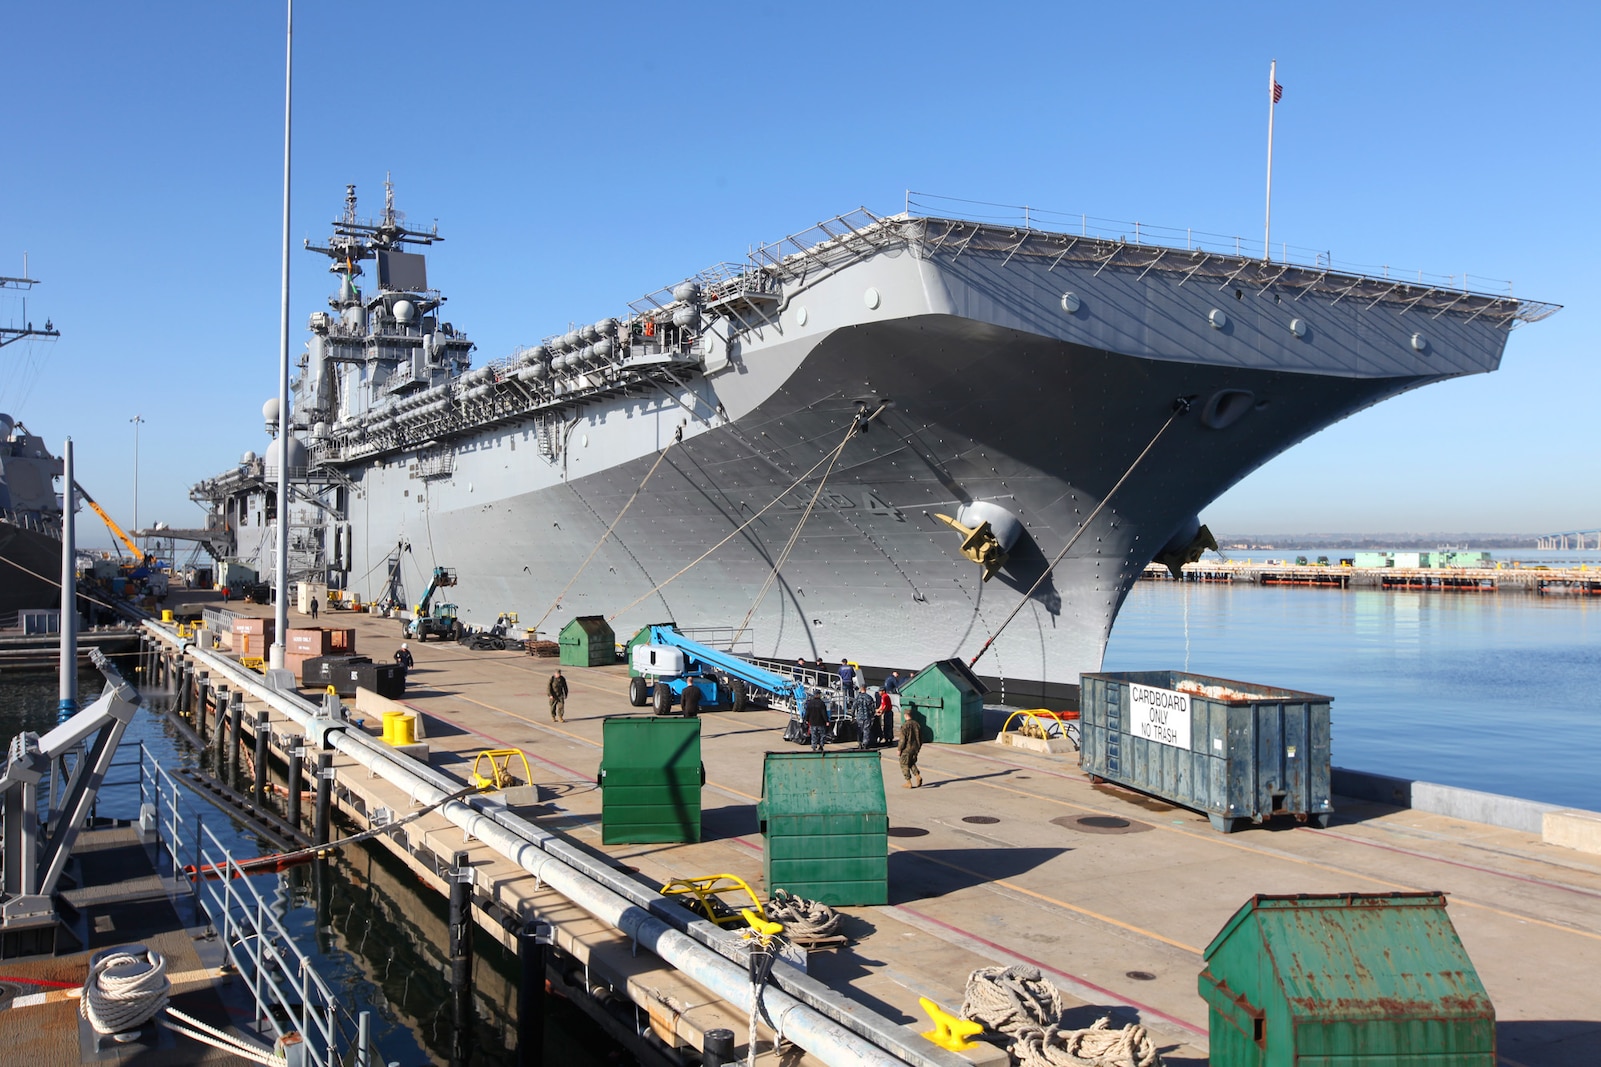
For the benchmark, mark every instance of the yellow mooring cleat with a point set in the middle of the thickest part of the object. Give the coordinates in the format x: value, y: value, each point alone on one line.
x: 761, y: 925
x: 950, y: 1031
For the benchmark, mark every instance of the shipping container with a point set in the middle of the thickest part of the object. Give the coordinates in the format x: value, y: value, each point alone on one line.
x: 1238, y: 751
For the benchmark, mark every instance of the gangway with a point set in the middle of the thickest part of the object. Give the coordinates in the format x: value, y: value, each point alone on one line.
x: 36, y: 851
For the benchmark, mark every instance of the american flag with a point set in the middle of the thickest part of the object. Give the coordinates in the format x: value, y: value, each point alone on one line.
x: 1278, y: 92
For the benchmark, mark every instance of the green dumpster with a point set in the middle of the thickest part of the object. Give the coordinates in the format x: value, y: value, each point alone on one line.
x: 650, y: 779
x: 588, y: 641
x: 825, y: 827
x: 948, y: 699
x: 1354, y: 979
x: 640, y: 638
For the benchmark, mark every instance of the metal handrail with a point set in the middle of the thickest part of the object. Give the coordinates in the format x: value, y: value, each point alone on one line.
x: 933, y: 205
x: 289, y: 993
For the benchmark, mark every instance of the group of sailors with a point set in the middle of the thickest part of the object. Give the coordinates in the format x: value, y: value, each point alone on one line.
x: 871, y: 709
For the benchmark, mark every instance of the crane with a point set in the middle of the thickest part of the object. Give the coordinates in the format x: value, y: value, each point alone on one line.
x: 139, y: 555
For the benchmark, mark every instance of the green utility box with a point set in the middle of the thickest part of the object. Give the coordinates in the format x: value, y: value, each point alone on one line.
x: 588, y: 641
x: 825, y: 826
x: 948, y: 699
x: 1355, y: 979
x: 640, y: 638
x: 650, y: 779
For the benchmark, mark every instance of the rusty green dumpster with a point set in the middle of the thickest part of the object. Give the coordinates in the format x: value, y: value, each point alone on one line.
x: 1354, y: 980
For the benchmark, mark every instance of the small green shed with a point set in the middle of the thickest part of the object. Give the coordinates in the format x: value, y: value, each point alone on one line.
x: 642, y: 637
x: 588, y: 641
x: 825, y: 826
x: 948, y: 699
x: 1354, y: 979
x: 650, y: 779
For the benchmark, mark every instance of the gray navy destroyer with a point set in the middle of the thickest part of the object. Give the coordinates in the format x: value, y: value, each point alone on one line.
x: 878, y: 439
x: 30, y: 502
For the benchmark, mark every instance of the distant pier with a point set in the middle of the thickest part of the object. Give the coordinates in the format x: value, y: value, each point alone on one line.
x: 1538, y: 581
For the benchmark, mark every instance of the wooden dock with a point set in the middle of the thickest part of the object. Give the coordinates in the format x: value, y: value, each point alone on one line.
x: 1528, y: 580
x: 1002, y: 857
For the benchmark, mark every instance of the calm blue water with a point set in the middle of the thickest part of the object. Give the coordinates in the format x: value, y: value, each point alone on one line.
x: 1499, y: 692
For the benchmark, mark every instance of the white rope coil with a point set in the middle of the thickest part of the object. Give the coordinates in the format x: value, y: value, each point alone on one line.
x: 125, y: 990
x: 802, y: 917
x: 1021, y: 1004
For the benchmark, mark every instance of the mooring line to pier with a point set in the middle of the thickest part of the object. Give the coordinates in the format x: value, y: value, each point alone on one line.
x: 857, y: 422
x: 679, y: 436
x: 1180, y: 406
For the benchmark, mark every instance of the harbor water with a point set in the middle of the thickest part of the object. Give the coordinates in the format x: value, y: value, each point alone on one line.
x: 1490, y: 691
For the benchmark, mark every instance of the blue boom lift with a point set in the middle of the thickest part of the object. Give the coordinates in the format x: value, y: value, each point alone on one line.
x: 674, y: 669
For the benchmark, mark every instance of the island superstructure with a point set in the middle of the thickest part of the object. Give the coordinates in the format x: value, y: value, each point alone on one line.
x: 867, y: 440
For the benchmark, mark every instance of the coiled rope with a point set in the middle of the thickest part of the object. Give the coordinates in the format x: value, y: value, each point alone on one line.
x: 801, y: 917
x: 124, y: 991
x: 128, y: 989
x: 1021, y: 1004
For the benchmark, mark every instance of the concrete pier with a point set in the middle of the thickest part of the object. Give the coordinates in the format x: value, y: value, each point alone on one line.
x: 1003, y: 856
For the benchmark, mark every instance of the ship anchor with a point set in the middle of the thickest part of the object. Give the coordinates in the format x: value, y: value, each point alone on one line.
x: 980, y: 545
x: 1173, y: 557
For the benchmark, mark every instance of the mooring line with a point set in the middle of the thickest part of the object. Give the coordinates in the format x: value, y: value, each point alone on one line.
x: 1180, y: 406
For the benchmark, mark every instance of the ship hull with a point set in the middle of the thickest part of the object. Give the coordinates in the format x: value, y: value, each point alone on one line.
x: 1041, y: 427
x: 30, y: 566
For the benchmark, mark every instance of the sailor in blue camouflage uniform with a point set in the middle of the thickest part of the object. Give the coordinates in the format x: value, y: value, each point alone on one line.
x: 862, y: 711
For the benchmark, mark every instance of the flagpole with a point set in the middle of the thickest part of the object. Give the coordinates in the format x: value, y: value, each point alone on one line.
x: 281, y: 557
x: 1267, y: 223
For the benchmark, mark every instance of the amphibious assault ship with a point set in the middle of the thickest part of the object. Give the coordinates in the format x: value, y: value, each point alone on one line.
x: 890, y: 439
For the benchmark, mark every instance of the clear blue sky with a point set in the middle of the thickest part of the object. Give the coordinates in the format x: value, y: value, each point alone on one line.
x: 579, y: 155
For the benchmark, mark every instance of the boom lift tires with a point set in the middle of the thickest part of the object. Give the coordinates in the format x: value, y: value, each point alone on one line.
x: 738, y: 695
x: 638, y: 691
x: 663, y: 699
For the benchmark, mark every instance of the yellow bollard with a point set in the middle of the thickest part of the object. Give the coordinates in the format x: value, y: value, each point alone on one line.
x: 405, y: 729
x: 166, y: 614
x: 950, y: 1031
x: 392, y: 726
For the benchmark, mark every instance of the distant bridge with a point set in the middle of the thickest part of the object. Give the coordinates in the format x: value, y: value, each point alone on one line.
x: 1577, y: 540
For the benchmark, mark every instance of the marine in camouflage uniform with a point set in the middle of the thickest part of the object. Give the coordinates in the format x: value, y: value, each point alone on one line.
x: 911, y: 745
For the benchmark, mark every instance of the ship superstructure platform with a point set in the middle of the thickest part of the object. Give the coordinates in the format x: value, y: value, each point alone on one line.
x: 1001, y: 857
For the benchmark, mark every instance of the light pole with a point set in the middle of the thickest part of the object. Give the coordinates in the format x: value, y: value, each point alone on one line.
x: 136, y: 420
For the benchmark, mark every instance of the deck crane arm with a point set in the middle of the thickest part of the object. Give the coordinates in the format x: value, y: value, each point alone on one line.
x: 679, y: 665
x: 139, y: 555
